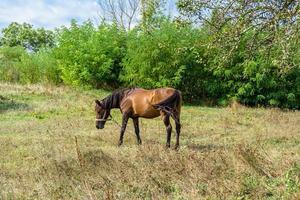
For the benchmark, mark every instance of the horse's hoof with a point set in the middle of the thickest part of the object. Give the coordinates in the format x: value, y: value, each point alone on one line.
x: 176, y: 147
x: 120, y: 143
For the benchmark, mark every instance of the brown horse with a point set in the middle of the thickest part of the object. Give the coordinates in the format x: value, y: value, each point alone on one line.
x: 137, y: 102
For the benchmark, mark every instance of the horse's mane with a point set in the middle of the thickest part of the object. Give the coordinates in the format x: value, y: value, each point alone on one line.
x: 113, y: 100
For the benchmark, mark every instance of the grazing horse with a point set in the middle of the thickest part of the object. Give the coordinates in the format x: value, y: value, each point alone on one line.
x: 137, y: 102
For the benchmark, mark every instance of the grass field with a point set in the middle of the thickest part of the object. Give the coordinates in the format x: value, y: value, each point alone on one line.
x: 226, y: 153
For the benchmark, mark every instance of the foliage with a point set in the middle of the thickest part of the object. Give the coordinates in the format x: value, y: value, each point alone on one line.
x: 151, y: 11
x: 215, y: 51
x: 25, y: 35
x: 252, y: 49
x: 40, y: 67
x: 9, y: 59
x: 164, y: 57
x: 90, y: 56
x: 256, y: 78
x: 17, y: 65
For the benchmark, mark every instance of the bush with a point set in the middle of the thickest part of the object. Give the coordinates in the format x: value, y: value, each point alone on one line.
x: 203, y: 64
x: 18, y: 65
x: 90, y: 56
x: 9, y: 60
x: 255, y: 79
x: 40, y: 67
x: 164, y: 57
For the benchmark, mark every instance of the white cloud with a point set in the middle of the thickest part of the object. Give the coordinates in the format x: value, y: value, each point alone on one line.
x: 47, y: 13
x: 54, y: 13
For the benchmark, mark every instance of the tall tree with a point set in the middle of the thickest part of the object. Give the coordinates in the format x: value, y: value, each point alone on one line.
x: 25, y: 35
x: 275, y: 23
x: 125, y: 13
x: 252, y: 48
x: 128, y: 13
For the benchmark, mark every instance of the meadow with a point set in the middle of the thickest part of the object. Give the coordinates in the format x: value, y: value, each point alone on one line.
x: 50, y: 149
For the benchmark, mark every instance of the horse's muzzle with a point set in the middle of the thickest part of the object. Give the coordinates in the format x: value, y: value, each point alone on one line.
x: 99, y: 127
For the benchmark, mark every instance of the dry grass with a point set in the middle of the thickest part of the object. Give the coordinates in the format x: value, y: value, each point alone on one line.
x: 50, y: 149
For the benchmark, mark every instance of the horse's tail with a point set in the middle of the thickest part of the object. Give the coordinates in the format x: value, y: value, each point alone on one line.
x: 173, y: 102
x: 178, y: 105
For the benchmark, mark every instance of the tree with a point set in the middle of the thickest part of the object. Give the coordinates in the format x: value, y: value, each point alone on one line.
x: 149, y: 10
x: 166, y: 57
x: 90, y: 56
x: 125, y: 13
x: 26, y: 36
x: 128, y: 13
x: 253, y: 48
x: 275, y: 23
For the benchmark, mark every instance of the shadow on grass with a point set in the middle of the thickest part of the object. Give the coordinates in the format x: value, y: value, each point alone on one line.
x: 98, y: 158
x: 204, y: 148
x: 9, y: 104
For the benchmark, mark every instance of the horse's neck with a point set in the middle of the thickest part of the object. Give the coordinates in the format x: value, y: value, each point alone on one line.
x: 114, y: 100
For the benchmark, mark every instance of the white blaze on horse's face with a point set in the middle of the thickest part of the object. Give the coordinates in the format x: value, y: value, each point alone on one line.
x: 100, y: 115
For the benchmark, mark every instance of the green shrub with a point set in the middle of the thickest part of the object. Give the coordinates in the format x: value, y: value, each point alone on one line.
x: 18, y: 65
x: 90, y: 56
x: 9, y: 59
x: 203, y: 64
x: 253, y: 79
x: 166, y: 56
x: 40, y: 67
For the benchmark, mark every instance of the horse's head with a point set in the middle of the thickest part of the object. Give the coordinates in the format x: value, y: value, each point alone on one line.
x: 102, y: 114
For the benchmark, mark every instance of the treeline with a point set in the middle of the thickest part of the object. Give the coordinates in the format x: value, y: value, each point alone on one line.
x: 224, y: 57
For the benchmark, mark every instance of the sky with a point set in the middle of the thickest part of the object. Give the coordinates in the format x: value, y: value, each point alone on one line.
x: 48, y: 13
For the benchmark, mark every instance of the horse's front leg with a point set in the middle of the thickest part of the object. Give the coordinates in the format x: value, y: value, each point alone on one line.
x: 123, y: 128
x: 137, y: 129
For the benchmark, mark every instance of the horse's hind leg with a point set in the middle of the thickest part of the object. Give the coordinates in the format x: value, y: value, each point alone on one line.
x: 178, y: 127
x: 137, y: 130
x: 168, y: 128
x: 123, y: 128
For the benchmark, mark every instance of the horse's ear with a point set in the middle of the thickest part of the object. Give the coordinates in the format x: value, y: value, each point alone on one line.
x: 98, y: 102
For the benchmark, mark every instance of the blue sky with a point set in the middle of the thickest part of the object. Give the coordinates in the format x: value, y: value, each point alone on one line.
x: 49, y: 13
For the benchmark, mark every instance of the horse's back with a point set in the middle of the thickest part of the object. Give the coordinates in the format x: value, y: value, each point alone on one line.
x: 141, y: 101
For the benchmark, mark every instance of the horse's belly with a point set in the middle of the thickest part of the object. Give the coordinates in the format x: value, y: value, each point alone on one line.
x: 147, y: 113
x: 150, y: 114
